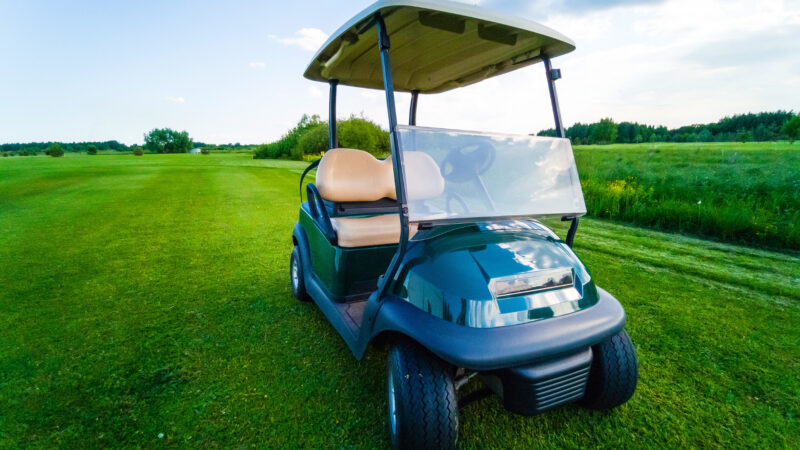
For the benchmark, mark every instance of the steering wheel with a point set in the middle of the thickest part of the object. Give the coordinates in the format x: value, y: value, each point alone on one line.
x: 468, y: 162
x: 453, y: 196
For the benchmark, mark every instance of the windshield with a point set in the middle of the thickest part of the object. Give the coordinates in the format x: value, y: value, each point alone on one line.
x: 464, y: 176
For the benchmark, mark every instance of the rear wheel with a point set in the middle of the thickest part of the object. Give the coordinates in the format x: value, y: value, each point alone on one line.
x: 423, y: 410
x: 296, y: 273
x: 614, y: 373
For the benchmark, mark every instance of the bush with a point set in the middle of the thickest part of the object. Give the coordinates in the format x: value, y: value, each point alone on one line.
x: 5, y: 155
x: 138, y: 151
x: 310, y: 137
x: 54, y: 150
x: 362, y: 134
x: 205, y: 151
x: 313, y: 141
x: 791, y: 128
x: 283, y: 147
x: 91, y: 149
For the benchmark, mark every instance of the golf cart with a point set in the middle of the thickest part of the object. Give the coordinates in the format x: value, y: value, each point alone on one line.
x: 437, y: 250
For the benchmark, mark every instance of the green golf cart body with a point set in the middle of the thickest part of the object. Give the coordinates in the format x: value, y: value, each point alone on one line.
x: 438, y: 249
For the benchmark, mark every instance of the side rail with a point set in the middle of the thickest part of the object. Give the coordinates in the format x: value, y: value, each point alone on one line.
x: 319, y: 213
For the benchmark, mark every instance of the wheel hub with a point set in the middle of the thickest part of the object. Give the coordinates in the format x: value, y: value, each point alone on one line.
x: 393, y: 428
x: 295, y: 274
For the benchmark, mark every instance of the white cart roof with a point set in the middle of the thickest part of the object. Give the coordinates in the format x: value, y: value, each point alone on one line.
x: 436, y: 45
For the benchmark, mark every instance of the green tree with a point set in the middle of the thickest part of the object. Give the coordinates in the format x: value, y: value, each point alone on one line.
x: 55, y: 150
x: 791, y: 128
x: 744, y: 135
x: 137, y: 150
x: 604, y: 132
x: 166, y: 140
x: 91, y: 149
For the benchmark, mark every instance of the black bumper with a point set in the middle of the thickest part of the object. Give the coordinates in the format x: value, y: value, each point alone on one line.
x: 487, y: 349
x: 533, y: 389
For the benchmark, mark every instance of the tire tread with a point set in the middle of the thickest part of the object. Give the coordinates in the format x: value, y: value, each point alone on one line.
x: 614, y: 373
x: 428, y: 397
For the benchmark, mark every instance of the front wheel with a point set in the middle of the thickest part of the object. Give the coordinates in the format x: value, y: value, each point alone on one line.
x: 296, y: 273
x: 614, y: 373
x: 423, y: 409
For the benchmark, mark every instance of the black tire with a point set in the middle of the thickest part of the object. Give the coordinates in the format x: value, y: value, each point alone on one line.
x: 297, y: 277
x: 614, y: 372
x: 422, y: 399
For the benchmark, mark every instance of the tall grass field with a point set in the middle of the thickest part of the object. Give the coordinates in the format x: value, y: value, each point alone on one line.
x: 747, y: 193
x: 145, y: 302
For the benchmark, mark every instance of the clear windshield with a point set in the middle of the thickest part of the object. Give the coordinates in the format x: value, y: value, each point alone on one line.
x: 459, y: 175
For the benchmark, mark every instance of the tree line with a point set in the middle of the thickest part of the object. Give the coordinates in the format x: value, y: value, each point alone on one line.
x: 158, y: 140
x: 74, y: 147
x: 758, y: 127
x: 310, y: 136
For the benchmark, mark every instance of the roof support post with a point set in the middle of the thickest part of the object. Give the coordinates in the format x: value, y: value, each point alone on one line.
x: 397, y: 158
x: 412, y: 114
x: 552, y: 76
x: 332, y: 138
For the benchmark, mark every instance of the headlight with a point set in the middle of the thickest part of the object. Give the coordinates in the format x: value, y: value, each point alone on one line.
x: 531, y: 282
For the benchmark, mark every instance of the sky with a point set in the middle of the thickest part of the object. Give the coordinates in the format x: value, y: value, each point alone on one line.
x: 231, y: 71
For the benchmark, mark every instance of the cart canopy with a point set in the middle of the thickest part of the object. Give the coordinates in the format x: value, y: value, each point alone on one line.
x: 436, y: 46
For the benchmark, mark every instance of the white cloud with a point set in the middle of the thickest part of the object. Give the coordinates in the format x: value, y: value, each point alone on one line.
x: 176, y: 99
x: 257, y: 64
x: 315, y: 92
x: 309, y: 39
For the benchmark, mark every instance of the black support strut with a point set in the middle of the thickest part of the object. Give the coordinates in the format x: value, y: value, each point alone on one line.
x: 333, y: 140
x: 412, y: 114
x: 552, y: 76
x: 397, y: 158
x: 551, y: 86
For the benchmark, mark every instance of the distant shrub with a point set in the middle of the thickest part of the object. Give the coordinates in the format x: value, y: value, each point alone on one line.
x: 314, y: 140
x: 744, y: 135
x: 138, y: 151
x: 23, y: 153
x: 791, y: 128
x: 91, y: 149
x: 54, y: 150
x: 205, y: 150
x: 166, y: 140
x: 310, y: 137
x: 282, y: 148
x: 362, y: 134
x: 5, y: 155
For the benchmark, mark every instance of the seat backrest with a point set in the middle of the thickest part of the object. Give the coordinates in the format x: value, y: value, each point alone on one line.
x: 347, y: 175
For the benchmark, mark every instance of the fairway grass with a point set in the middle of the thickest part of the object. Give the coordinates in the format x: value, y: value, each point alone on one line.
x: 149, y: 296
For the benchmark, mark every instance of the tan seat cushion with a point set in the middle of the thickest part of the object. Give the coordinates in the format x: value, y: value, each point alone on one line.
x: 369, y: 231
x: 347, y: 175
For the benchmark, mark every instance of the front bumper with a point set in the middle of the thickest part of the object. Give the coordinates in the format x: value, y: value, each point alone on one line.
x: 533, y: 389
x: 486, y: 349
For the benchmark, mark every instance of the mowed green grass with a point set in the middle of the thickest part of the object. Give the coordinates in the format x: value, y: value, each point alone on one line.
x: 149, y: 295
x: 734, y: 192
